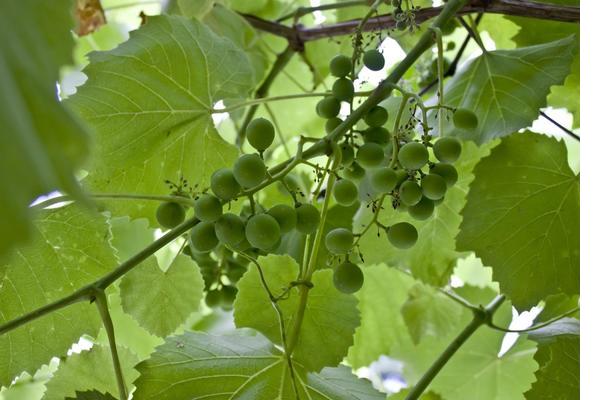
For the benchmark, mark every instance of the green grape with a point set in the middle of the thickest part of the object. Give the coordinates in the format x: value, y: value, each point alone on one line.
x: 203, y: 237
x: 450, y: 46
x: 402, y: 175
x: 235, y: 271
x: 260, y: 133
x: 213, y: 298
x: 402, y: 235
x: 353, y: 171
x: 308, y: 218
x: 373, y: 60
x: 446, y: 171
x: 378, y: 135
x: 433, y: 186
x: 328, y: 107
x: 343, y: 89
x: 249, y: 170
x: 262, y: 231
x: 208, y: 208
x: 170, y: 214
x: 347, y: 153
x: 370, y: 155
x: 377, y: 116
x: 384, y: 179
x: 348, y: 277
x: 340, y: 66
x: 410, y: 193
x: 229, y: 229
x: 464, y: 119
x: 339, y: 241
x: 345, y: 192
x: 224, y: 185
x: 422, y: 210
x: 447, y: 149
x: 332, y: 123
x: 202, y: 258
x: 285, y: 216
x: 244, y: 245
x: 413, y: 155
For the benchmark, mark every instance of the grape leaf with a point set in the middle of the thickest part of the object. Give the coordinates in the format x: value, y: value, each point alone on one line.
x: 70, y: 249
x: 92, y: 395
x: 156, y: 91
x: 241, y: 366
x: 329, y: 320
x: 91, y: 370
x: 524, y: 221
x: 162, y: 301
x: 42, y: 144
x: 506, y: 88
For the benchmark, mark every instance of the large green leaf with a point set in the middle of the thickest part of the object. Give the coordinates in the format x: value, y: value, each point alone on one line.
x: 329, y: 320
x: 150, y: 100
x: 70, y: 249
x: 522, y: 218
x: 506, y: 88
x: 42, y: 144
x: 238, y: 366
x: 162, y: 301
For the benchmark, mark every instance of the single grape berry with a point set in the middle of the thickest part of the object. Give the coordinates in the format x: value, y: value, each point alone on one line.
x: 229, y: 229
x: 353, y: 171
x: 228, y: 297
x: 208, y: 208
x: 447, y: 149
x: 347, y: 153
x: 213, y: 298
x: 446, y: 171
x: 402, y: 235
x: 170, y: 214
x: 285, y: 216
x: 332, y: 123
x: 433, y: 186
x: 260, y: 133
x: 413, y: 155
x: 224, y: 185
x: 308, y: 218
x: 343, y: 89
x: 262, y: 231
x: 373, y: 60
x: 328, y: 107
x: 345, y: 192
x: 244, y: 245
x: 370, y: 155
x: 384, y: 179
x: 464, y: 119
x: 377, y: 116
x: 410, y: 193
x: 340, y: 66
x: 378, y: 135
x: 422, y: 210
x: 249, y: 170
x: 339, y: 241
x: 203, y: 237
x: 348, y: 277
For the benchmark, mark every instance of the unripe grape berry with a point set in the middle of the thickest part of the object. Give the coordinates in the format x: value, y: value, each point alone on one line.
x: 433, y: 186
x: 340, y: 66
x: 213, y: 298
x: 235, y: 271
x: 262, y: 231
x: 410, y: 193
x: 446, y: 171
x: 228, y: 296
x: 229, y: 229
x: 339, y: 241
x: 348, y: 278
x: 422, y: 210
x: 308, y: 218
x: 353, y: 171
x: 402, y: 235
x: 224, y: 185
x: 170, y: 214
x: 328, y: 107
x: 447, y: 149
x: 377, y: 116
x: 244, y: 245
x: 285, y: 216
x: 208, y: 208
x: 345, y: 192
x: 402, y: 175
x: 332, y: 123
x: 384, y: 179
x: 249, y: 170
x: 203, y: 237
x: 378, y: 135
x: 413, y: 155
x: 260, y: 133
x: 464, y: 119
x: 343, y: 89
x: 370, y: 155
x: 373, y: 60
x: 347, y: 153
